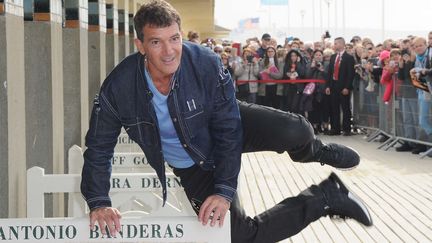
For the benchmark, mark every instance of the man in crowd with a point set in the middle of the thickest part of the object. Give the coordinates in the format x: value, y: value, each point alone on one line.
x: 265, y: 42
x: 177, y: 102
x: 339, y: 85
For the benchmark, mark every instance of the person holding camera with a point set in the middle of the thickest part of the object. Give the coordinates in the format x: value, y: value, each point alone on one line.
x: 320, y: 112
x: 422, y: 71
x: 294, y: 69
x: 408, y: 93
x: 248, y: 71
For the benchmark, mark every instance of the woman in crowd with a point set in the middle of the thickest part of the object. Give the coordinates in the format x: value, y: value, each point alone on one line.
x: 225, y: 61
x: 293, y: 70
x: 247, y: 70
x: 270, y: 69
x: 319, y: 114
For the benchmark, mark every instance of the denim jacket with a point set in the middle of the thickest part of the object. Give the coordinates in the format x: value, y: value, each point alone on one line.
x: 203, y: 109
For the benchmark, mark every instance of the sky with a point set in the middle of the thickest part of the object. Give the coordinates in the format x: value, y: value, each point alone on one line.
x: 312, y: 17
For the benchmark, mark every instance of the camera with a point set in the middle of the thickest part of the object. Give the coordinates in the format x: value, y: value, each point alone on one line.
x: 318, y: 64
x: 405, y: 52
x: 250, y: 59
x: 327, y: 35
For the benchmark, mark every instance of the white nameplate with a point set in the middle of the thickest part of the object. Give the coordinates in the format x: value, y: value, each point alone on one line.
x: 144, y: 229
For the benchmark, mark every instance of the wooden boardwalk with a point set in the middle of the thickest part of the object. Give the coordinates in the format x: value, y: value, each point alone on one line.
x: 397, y: 188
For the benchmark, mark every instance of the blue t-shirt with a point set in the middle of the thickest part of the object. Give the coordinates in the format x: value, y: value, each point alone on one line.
x: 172, y: 149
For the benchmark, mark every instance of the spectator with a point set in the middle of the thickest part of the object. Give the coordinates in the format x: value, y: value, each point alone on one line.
x: 248, y: 71
x: 422, y: 66
x: 389, y: 74
x: 270, y: 68
x: 319, y: 114
x: 225, y: 61
x: 409, y: 102
x: 339, y: 86
x: 218, y: 49
x: 294, y: 69
x: 349, y: 48
x: 193, y: 36
x: 265, y: 42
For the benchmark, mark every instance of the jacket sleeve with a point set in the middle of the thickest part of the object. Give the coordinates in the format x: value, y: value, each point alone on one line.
x: 350, y: 73
x: 226, y: 133
x: 100, y: 140
x: 330, y: 71
x: 279, y: 74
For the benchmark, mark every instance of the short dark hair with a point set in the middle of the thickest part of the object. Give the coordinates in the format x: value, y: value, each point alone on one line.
x: 156, y: 13
x: 341, y: 39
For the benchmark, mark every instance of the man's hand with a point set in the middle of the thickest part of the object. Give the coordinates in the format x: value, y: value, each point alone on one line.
x: 327, y: 91
x: 214, y: 207
x: 106, y: 216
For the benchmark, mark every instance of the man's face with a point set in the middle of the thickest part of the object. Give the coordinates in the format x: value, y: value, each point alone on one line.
x: 419, y: 47
x: 265, y: 42
x: 162, y: 47
x: 339, y: 45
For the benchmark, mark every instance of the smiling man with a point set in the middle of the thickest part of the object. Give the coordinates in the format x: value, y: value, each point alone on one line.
x: 177, y: 102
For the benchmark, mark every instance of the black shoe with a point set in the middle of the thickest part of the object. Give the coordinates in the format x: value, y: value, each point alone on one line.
x: 333, y: 133
x: 343, y: 203
x: 419, y: 149
x: 338, y: 156
x: 404, y: 148
x: 347, y: 133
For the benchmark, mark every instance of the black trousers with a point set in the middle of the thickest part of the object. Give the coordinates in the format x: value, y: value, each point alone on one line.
x: 267, y: 129
x: 338, y: 101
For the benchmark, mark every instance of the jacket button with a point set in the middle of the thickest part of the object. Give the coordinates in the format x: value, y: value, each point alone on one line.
x: 174, y: 119
x: 201, y: 162
x: 185, y: 145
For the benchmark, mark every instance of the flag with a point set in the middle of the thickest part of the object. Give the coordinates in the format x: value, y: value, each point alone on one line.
x: 249, y: 23
x: 274, y: 2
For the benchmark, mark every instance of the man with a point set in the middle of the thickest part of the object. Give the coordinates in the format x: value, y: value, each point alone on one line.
x: 339, y: 86
x: 423, y: 70
x: 176, y: 101
x: 265, y: 42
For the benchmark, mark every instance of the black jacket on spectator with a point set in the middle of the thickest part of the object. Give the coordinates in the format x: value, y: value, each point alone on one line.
x: 407, y: 90
x: 346, y: 72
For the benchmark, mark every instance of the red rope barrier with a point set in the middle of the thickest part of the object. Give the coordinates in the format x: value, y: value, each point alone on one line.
x: 278, y: 81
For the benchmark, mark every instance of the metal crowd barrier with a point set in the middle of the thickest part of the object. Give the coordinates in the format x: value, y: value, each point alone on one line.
x: 405, y: 118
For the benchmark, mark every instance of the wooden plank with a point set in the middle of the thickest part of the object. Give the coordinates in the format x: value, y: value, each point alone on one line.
x: 319, y: 173
x: 308, y: 233
x: 245, y: 195
x: 300, y: 237
x: 406, y: 209
x: 413, y: 194
x: 411, y: 224
x: 261, y: 181
x: 380, y: 226
x: 386, y: 213
x: 254, y: 191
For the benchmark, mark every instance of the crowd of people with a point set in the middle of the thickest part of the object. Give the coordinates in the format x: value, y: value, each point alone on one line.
x: 318, y: 79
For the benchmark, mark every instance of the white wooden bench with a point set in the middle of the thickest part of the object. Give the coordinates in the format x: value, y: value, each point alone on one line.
x: 130, y: 192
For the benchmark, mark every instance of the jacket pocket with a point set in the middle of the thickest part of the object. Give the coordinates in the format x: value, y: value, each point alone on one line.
x: 141, y: 131
x: 194, y: 121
